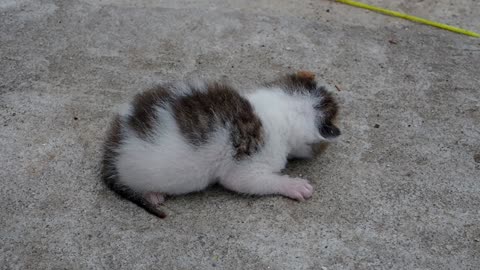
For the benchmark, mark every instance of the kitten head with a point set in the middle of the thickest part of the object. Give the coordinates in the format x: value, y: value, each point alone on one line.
x: 326, y: 108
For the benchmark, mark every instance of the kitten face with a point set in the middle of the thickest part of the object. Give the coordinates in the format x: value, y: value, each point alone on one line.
x: 327, y: 110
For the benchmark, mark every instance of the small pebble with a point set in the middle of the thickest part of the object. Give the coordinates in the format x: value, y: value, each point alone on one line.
x: 476, y: 158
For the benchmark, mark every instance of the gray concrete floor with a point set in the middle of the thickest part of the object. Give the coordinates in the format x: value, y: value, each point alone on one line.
x: 401, y: 188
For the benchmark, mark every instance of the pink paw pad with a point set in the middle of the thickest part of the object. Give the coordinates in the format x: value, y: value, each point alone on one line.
x: 297, y: 189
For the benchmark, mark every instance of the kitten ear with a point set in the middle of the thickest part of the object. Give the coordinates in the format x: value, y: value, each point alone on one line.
x: 305, y: 79
x: 329, y: 131
x: 306, y: 75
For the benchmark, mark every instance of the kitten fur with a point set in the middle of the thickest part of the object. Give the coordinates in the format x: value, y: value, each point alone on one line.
x: 180, y: 138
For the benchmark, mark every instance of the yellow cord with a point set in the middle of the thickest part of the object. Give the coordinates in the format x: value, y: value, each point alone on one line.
x: 411, y: 18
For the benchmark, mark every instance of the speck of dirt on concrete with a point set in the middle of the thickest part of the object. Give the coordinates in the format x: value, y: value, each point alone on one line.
x: 476, y: 157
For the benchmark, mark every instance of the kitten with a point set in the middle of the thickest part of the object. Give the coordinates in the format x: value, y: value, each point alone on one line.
x: 180, y: 138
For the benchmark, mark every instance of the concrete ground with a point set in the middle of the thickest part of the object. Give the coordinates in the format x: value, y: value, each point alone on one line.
x: 399, y: 190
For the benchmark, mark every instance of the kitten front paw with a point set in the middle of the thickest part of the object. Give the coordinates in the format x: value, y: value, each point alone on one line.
x: 297, y: 189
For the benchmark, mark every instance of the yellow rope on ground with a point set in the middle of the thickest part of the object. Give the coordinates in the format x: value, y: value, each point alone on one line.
x: 410, y: 17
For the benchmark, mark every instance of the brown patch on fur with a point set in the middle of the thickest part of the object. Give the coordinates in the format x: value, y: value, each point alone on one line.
x: 144, y: 113
x: 302, y: 81
x: 329, y: 110
x: 199, y: 114
x: 328, y: 106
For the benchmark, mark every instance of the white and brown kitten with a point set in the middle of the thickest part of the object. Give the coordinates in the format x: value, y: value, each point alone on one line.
x: 180, y: 138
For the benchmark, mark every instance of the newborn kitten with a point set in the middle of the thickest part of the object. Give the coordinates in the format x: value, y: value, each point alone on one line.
x: 176, y: 139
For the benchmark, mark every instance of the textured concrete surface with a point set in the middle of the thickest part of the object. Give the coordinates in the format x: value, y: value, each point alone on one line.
x: 401, y: 188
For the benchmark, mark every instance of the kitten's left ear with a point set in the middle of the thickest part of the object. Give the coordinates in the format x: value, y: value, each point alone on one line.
x: 306, y: 75
x: 305, y: 79
x: 329, y: 131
